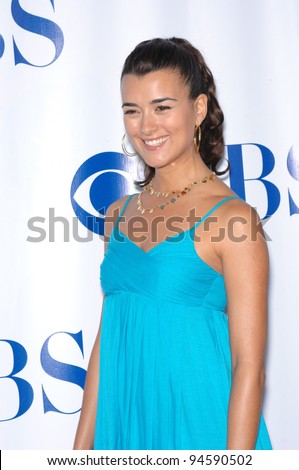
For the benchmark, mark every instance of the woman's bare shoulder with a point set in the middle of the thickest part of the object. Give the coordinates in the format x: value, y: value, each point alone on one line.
x: 116, y: 205
x: 243, y: 230
x: 234, y: 205
x: 235, y: 217
x: 237, y: 207
x: 112, y: 213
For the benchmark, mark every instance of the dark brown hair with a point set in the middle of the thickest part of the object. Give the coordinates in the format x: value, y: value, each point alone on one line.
x: 179, y: 54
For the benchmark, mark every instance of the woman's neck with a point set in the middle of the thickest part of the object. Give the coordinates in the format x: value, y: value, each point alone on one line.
x: 179, y: 174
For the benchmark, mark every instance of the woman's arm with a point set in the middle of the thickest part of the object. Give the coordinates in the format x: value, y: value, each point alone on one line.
x: 85, y: 432
x: 245, y: 269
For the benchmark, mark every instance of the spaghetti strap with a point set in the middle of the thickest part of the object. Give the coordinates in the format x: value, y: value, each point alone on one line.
x: 214, y: 208
x: 123, y: 209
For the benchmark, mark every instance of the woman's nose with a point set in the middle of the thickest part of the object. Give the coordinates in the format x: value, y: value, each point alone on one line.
x: 148, y: 124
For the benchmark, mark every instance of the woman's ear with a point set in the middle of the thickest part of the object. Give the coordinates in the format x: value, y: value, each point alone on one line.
x: 201, y: 108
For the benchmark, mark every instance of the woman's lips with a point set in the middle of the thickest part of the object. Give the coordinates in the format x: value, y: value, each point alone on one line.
x: 153, y: 144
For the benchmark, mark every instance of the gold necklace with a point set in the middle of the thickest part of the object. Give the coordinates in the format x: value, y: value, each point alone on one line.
x: 175, y: 194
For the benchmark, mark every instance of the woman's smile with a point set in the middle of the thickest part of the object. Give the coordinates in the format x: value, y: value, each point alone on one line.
x: 155, y: 144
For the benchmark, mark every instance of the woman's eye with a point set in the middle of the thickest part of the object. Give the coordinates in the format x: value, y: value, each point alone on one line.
x: 130, y: 111
x: 163, y: 108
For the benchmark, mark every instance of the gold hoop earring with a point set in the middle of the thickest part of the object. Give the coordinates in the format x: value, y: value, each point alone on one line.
x: 123, y: 146
x: 197, y: 138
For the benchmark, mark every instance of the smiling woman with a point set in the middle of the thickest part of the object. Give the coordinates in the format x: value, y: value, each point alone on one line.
x: 178, y: 362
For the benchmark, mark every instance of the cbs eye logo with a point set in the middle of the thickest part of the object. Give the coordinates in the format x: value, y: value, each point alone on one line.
x: 99, y: 181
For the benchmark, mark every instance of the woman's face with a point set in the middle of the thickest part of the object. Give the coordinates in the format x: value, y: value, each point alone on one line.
x: 160, y: 117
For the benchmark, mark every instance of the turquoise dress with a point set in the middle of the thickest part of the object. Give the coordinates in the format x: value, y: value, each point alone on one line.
x: 165, y: 364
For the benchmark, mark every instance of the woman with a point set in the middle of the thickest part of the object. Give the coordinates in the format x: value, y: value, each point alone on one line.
x: 184, y: 276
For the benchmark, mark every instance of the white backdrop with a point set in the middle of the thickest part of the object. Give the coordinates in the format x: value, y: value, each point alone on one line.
x: 60, y: 62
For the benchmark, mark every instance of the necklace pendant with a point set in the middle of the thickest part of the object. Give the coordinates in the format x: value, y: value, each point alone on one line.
x: 174, y: 195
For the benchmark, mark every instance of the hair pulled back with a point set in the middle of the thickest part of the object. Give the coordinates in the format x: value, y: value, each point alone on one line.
x: 179, y: 54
